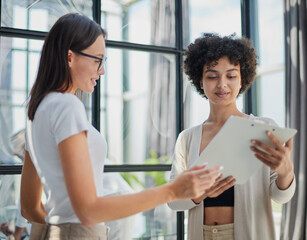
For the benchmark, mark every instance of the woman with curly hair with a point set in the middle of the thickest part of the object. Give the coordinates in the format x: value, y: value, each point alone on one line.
x: 221, y: 68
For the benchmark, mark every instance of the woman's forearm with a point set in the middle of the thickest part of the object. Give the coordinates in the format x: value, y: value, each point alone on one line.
x: 91, y: 209
x: 190, y: 184
x: 34, y: 214
x: 31, y: 193
x: 109, y: 208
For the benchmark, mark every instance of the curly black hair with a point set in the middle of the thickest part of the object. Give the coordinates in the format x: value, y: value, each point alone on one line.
x: 209, y: 48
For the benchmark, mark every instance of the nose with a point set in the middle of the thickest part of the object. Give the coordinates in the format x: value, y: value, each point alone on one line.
x: 222, y: 82
x: 101, y: 72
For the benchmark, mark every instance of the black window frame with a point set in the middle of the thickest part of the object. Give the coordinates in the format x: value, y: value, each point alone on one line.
x: 249, y: 29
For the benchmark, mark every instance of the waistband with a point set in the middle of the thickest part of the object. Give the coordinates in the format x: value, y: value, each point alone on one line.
x: 222, y: 227
x: 68, y: 231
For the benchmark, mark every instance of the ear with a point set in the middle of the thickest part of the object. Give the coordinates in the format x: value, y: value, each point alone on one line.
x: 69, y: 57
x: 201, y: 84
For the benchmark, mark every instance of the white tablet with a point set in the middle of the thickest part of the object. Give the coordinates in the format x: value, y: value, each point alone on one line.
x: 231, y: 146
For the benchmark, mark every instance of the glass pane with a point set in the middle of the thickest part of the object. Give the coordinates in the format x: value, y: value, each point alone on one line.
x: 271, y: 83
x: 271, y: 43
x: 138, y: 106
x: 9, y: 199
x: 271, y: 58
x: 143, y: 21
x: 273, y: 107
x: 220, y: 16
x: 158, y: 223
x: 19, y: 61
x: 39, y: 15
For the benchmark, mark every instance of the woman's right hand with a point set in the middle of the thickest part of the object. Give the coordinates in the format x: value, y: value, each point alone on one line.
x: 217, y: 188
x: 193, y: 182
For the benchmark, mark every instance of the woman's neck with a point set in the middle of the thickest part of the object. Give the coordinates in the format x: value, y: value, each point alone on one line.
x: 220, y: 114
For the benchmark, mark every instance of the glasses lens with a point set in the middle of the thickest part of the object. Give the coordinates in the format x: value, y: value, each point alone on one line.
x: 101, y: 64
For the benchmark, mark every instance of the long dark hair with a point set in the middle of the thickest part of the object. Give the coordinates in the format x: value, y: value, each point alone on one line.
x: 71, y: 32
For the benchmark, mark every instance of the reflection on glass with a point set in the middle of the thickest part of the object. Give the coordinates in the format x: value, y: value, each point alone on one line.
x: 19, y: 69
x: 144, y: 21
x: 39, y: 15
x: 33, y: 58
x: 9, y: 198
x: 272, y: 97
x: 271, y: 43
x: 271, y: 58
x: 19, y: 61
x: 36, y: 45
x: 271, y: 81
x: 158, y: 223
x: 138, y: 106
x: 219, y: 16
x: 19, y: 43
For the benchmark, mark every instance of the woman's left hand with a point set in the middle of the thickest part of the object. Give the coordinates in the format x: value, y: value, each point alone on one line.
x: 278, y: 158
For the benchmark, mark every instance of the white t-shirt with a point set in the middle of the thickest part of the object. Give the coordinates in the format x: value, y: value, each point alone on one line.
x: 59, y: 116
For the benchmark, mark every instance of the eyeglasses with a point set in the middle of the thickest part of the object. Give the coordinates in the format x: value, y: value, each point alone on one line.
x: 102, y: 61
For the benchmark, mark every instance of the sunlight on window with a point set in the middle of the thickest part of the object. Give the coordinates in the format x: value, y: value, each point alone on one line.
x: 271, y: 90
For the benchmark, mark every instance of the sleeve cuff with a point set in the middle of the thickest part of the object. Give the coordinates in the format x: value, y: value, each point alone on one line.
x: 283, y: 196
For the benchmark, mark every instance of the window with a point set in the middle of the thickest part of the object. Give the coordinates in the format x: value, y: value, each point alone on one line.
x: 271, y: 72
x: 149, y: 22
x: 143, y: 101
x: 17, y: 77
x: 222, y: 17
x: 138, y: 105
x: 39, y: 15
x: 131, y: 99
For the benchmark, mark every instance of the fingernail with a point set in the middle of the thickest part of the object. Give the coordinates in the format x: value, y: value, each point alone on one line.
x: 268, y: 133
x: 253, y: 141
x: 221, y: 168
x: 205, y: 164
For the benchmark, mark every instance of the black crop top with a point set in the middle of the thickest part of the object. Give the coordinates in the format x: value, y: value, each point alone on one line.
x: 226, y: 199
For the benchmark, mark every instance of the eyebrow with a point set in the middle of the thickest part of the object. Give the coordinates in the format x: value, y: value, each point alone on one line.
x: 215, y: 71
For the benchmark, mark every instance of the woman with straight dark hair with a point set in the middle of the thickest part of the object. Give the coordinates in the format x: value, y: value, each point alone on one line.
x: 65, y: 153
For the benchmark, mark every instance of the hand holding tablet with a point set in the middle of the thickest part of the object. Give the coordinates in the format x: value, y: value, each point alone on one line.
x: 231, y: 146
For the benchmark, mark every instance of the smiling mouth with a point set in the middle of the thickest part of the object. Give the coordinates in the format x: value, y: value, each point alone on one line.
x: 221, y: 94
x: 94, y: 82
